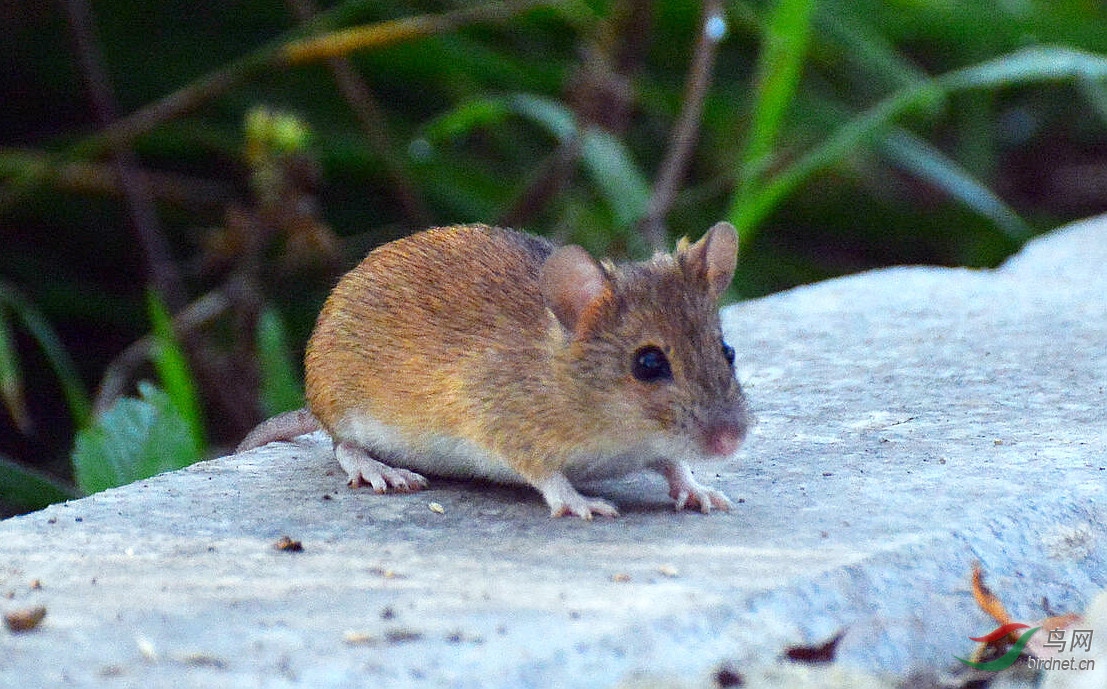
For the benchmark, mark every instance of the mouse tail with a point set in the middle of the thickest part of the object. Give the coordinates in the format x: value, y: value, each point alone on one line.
x: 284, y: 426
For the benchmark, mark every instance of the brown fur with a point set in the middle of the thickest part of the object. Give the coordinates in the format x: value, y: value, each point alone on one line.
x: 448, y: 332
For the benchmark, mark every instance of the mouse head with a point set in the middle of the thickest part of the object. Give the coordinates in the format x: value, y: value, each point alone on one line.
x: 645, y: 348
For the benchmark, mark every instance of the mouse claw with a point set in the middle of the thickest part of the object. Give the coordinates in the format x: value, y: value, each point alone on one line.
x: 564, y: 500
x: 363, y: 470
x: 687, y: 492
x: 389, y: 480
x: 706, y: 498
x: 584, y: 509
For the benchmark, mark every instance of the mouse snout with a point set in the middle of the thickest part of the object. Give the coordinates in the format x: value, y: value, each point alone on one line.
x: 723, y: 434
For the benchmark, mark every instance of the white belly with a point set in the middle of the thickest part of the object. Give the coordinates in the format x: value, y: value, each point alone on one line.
x: 453, y: 457
x: 432, y: 454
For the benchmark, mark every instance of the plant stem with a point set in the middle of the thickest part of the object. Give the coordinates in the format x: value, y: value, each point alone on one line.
x: 783, y: 49
x: 373, y: 124
x: 686, y: 131
x: 287, y: 51
x: 163, y: 273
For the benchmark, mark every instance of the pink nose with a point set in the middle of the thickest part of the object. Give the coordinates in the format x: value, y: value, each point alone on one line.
x: 723, y: 440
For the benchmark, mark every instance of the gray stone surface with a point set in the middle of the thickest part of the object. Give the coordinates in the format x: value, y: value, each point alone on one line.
x: 911, y: 422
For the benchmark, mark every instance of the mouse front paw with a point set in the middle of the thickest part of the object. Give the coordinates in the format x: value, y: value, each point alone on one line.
x: 363, y: 470
x: 687, y: 492
x: 564, y: 500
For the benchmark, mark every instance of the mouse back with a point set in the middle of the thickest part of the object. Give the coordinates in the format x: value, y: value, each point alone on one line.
x: 403, y: 329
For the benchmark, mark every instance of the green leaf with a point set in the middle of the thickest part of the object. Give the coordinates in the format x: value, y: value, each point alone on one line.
x: 172, y: 367
x: 11, y: 379
x: 133, y: 440
x: 607, y: 159
x: 615, y: 174
x: 783, y: 49
x: 27, y: 489
x: 80, y: 408
x: 925, y: 161
x: 280, y: 382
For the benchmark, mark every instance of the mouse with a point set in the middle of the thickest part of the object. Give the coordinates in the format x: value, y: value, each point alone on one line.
x: 479, y: 352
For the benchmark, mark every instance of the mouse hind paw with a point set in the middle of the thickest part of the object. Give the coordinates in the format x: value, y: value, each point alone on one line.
x: 362, y: 469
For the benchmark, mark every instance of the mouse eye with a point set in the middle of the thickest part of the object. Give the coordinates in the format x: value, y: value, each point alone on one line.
x: 728, y: 352
x: 651, y: 365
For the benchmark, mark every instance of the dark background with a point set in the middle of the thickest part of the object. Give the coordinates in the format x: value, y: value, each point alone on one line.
x: 439, y: 146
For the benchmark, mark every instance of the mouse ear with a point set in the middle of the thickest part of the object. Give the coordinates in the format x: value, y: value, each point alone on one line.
x: 714, y: 256
x: 571, y: 281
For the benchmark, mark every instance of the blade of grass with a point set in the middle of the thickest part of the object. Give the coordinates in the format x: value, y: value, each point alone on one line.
x: 1028, y: 66
x: 607, y: 159
x: 1024, y: 67
x: 747, y: 215
x: 280, y: 383
x: 460, y: 120
x: 1095, y: 92
x: 927, y: 162
x: 867, y: 48
x: 553, y: 116
x: 11, y: 379
x: 614, y: 172
x: 172, y: 367
x: 76, y: 397
x: 783, y: 48
x: 28, y: 489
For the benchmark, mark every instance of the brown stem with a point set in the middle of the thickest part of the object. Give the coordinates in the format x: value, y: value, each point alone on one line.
x: 552, y: 177
x: 99, y: 178
x: 121, y: 371
x: 373, y: 124
x: 276, y: 55
x: 164, y: 276
x: 342, y: 43
x: 682, y: 141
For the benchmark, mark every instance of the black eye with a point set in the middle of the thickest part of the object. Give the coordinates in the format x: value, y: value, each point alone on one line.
x: 728, y: 352
x: 651, y: 365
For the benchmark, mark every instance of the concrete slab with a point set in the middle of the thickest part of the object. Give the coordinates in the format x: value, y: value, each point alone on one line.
x: 911, y: 422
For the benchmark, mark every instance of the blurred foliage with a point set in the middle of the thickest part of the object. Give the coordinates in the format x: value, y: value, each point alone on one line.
x: 234, y: 158
x: 280, y: 389
x: 134, y: 439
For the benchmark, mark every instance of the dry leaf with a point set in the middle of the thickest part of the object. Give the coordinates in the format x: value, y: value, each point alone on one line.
x: 823, y: 653
x: 1008, y: 632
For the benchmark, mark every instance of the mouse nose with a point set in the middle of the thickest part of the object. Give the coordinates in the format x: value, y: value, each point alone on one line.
x: 722, y: 436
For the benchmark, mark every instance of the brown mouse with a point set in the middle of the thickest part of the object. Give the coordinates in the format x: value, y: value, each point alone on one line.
x: 474, y: 351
